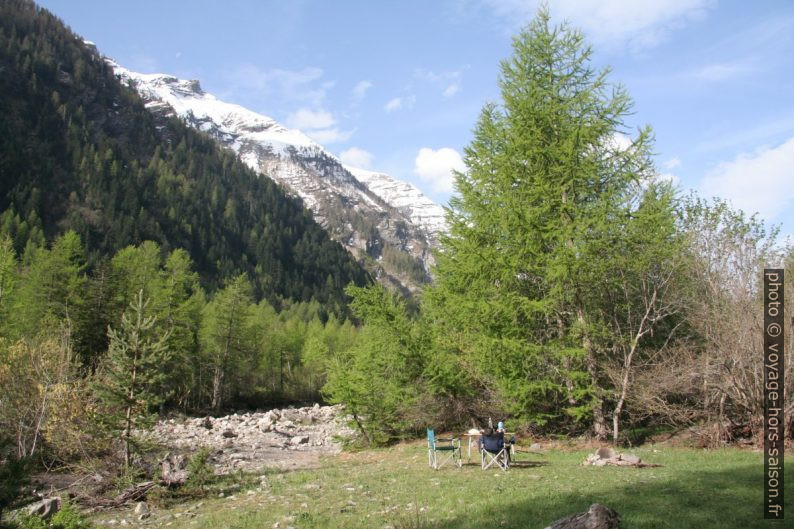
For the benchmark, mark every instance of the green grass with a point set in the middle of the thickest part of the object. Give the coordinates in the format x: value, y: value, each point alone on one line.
x: 395, y: 488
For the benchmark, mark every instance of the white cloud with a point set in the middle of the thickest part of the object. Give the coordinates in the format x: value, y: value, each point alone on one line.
x: 670, y: 177
x: 450, y: 80
x: 394, y: 104
x: 757, y: 133
x: 435, y: 167
x: 672, y: 163
x: 318, y: 125
x: 755, y: 182
x: 619, y: 141
x: 360, y: 90
x: 356, y: 157
x: 720, y: 72
x: 304, y: 86
x: 334, y: 135
x: 451, y: 90
x: 399, y: 103
x: 306, y: 119
x: 615, y: 22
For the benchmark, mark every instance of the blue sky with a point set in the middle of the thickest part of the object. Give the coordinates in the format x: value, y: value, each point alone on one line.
x: 397, y: 86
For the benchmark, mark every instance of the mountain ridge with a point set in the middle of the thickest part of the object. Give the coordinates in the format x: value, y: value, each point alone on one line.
x: 80, y: 152
x: 388, y: 224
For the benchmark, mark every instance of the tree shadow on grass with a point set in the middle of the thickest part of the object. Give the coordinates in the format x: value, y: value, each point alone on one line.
x: 728, y: 499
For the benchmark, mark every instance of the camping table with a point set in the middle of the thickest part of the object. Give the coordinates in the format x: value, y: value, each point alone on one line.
x: 471, y: 437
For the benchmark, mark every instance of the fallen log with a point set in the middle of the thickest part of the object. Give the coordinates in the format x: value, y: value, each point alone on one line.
x: 597, y: 517
x: 134, y: 493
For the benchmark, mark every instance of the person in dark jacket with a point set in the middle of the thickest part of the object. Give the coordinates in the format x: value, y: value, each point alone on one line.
x: 492, y: 440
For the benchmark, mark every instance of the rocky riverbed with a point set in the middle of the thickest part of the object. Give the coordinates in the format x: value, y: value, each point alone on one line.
x: 286, y: 438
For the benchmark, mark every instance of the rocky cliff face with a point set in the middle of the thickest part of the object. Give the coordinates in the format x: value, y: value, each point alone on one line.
x: 388, y: 224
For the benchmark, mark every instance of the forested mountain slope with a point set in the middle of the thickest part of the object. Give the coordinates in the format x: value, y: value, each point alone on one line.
x: 388, y: 224
x: 79, y: 151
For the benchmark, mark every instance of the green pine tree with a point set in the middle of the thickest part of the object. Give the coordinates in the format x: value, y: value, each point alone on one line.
x: 179, y: 304
x: 225, y: 336
x: 8, y: 279
x: 50, y: 286
x: 539, y: 224
x: 132, y: 373
x: 379, y: 378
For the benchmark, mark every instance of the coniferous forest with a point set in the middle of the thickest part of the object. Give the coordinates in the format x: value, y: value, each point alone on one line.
x: 115, y: 223
x: 145, y: 271
x: 80, y: 152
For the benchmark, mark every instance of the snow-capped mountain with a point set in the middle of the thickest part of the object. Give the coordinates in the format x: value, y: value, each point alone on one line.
x: 405, y: 197
x: 387, y: 223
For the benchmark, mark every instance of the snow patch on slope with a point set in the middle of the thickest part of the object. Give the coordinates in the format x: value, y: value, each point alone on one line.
x: 249, y: 134
x: 187, y: 98
x: 405, y: 197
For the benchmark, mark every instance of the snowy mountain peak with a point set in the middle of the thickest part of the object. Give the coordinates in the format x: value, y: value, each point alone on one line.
x: 404, y: 196
x: 186, y: 97
x: 371, y: 213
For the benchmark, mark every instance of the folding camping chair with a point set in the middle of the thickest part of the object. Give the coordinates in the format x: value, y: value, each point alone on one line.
x: 449, y: 446
x: 494, y: 451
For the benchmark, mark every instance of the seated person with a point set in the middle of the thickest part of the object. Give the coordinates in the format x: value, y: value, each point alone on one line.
x: 492, y: 440
x: 500, y: 428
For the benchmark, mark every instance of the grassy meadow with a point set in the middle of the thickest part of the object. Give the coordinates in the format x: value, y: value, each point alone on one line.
x: 394, y: 488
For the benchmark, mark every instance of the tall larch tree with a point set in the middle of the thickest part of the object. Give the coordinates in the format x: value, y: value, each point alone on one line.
x: 225, y: 336
x: 552, y: 174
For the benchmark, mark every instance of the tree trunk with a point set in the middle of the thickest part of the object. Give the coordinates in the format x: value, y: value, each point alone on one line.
x: 599, y: 422
x: 628, y: 362
x: 616, y: 420
x: 217, y: 386
x: 363, y: 431
x: 624, y: 389
x: 128, y: 413
x: 127, y: 432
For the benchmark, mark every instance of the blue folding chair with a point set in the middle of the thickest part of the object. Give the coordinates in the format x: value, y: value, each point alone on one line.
x: 493, y: 450
x: 449, y: 448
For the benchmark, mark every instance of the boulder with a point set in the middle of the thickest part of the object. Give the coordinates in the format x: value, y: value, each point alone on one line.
x: 606, y: 453
x: 173, y: 470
